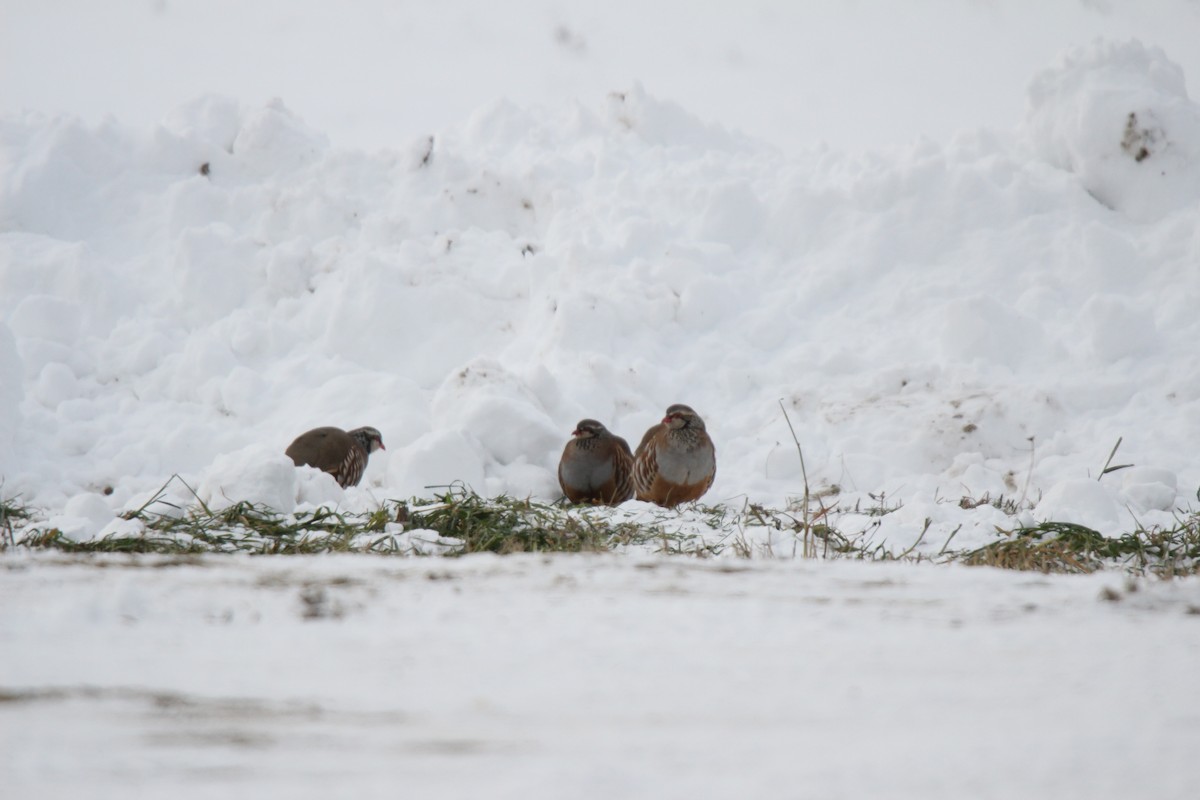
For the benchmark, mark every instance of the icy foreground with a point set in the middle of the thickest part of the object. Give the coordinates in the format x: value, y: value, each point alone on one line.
x: 983, y: 319
x: 591, y: 677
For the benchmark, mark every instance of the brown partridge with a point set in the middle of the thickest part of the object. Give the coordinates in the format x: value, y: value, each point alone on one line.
x: 596, y: 466
x: 676, y: 461
x: 343, y: 454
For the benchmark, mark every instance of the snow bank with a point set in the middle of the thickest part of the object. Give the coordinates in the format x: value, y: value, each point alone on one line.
x: 937, y: 321
x: 253, y: 474
x: 1119, y: 116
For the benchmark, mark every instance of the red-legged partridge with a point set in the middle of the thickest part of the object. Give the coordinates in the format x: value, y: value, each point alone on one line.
x: 343, y: 454
x: 676, y: 461
x: 596, y: 466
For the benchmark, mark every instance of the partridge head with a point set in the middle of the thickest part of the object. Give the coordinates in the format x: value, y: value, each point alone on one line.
x: 343, y: 454
x: 596, y: 466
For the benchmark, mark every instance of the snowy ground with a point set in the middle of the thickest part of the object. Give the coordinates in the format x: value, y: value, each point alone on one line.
x: 957, y: 241
x: 591, y: 677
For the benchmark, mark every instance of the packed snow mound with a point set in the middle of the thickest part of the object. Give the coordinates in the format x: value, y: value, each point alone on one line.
x: 937, y: 321
x: 1118, y: 115
x: 255, y: 474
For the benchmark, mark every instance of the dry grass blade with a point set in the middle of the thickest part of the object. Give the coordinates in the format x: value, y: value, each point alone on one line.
x: 809, y: 545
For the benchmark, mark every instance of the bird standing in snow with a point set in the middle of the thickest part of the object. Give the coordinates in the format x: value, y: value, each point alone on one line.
x: 676, y: 461
x: 343, y: 454
x: 596, y: 466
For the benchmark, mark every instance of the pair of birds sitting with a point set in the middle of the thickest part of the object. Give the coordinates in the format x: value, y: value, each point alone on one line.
x: 675, y: 462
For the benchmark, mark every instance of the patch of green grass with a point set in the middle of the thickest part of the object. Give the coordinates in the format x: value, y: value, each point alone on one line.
x: 512, y: 525
x: 242, y: 527
x: 509, y: 525
x: 1064, y: 547
x: 1047, y: 547
x: 878, y: 508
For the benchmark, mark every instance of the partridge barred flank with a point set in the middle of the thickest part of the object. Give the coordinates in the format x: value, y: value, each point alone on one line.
x: 350, y: 471
x: 644, y: 469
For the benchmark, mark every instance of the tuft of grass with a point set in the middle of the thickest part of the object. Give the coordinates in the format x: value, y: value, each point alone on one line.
x: 1065, y: 547
x: 1010, y: 506
x: 253, y: 528
x: 1047, y: 547
x: 11, y: 511
x: 509, y: 525
x: 879, y: 506
x: 54, y: 539
x: 812, y: 534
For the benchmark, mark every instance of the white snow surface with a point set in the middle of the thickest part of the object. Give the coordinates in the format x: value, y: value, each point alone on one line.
x: 958, y: 242
x: 590, y: 677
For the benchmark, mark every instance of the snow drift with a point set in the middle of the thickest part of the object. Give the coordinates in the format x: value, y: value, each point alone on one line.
x: 984, y: 318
